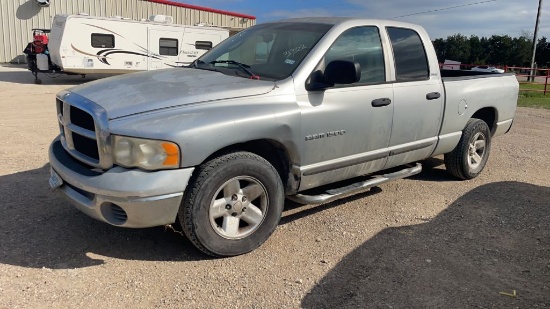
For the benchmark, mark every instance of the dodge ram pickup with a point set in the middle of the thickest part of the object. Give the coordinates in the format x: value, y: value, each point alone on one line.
x: 281, y: 110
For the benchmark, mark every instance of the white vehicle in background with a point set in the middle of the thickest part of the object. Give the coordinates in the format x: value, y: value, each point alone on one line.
x: 87, y: 44
x: 83, y: 44
x: 487, y: 69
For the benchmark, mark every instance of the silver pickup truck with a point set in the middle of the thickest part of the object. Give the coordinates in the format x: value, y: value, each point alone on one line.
x: 284, y: 109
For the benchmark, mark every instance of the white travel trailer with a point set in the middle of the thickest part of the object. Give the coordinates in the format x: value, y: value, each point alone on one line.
x: 83, y: 44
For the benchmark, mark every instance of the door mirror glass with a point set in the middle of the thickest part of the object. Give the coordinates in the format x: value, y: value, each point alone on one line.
x: 342, y: 72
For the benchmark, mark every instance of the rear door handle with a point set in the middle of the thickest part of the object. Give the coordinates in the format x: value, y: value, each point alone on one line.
x: 433, y: 96
x: 381, y: 102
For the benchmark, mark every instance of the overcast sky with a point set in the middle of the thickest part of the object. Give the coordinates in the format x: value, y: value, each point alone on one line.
x: 511, y: 17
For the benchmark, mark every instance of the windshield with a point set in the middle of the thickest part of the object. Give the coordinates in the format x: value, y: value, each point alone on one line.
x: 269, y: 51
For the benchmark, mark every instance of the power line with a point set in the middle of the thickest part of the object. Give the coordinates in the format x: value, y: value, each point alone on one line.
x: 444, y: 9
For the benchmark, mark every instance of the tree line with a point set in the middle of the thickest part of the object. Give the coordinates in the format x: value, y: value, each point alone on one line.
x: 497, y: 50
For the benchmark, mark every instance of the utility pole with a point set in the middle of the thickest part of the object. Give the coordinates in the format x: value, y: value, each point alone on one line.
x: 532, y: 75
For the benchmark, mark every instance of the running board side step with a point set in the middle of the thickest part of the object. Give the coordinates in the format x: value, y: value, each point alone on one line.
x: 334, y: 194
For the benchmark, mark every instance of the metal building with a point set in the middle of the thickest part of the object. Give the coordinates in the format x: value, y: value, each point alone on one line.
x: 19, y: 17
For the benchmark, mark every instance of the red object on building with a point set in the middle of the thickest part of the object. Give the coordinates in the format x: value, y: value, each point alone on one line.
x: 202, y: 8
x: 40, y: 41
x: 42, y: 38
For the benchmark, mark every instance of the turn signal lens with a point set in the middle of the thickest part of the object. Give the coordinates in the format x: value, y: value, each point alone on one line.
x: 172, y: 154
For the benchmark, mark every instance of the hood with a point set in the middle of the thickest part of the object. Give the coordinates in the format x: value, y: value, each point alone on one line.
x: 136, y: 93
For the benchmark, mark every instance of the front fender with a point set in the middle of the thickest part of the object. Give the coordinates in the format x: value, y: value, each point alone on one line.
x: 203, y: 129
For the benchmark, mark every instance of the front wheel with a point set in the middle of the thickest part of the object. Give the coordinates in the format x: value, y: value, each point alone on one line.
x: 232, y: 205
x: 469, y: 157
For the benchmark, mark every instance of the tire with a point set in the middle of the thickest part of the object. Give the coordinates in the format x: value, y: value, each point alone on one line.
x: 232, y: 204
x: 469, y: 157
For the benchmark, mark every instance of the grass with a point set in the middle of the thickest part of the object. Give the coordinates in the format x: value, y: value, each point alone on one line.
x: 532, y: 98
x: 532, y: 87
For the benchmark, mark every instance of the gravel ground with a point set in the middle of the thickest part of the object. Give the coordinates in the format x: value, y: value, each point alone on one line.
x: 424, y: 242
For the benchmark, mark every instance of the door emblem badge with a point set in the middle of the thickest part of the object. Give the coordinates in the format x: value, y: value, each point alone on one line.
x: 325, y: 135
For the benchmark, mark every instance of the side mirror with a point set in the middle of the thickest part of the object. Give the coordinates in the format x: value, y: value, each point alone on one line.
x: 336, y: 72
x: 343, y: 72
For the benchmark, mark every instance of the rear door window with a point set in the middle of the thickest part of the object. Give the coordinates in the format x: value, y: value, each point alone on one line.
x: 411, y: 62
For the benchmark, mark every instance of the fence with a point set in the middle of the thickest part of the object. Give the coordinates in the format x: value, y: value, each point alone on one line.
x: 532, y: 80
x: 535, y: 80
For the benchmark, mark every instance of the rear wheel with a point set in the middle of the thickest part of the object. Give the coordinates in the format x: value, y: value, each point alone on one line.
x: 469, y: 157
x: 232, y: 205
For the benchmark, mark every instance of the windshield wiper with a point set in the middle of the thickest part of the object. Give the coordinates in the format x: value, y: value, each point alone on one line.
x: 201, y: 65
x: 242, y: 66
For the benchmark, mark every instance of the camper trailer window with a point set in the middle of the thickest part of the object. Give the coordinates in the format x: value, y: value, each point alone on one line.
x: 100, y: 40
x: 168, y: 47
x: 207, y: 45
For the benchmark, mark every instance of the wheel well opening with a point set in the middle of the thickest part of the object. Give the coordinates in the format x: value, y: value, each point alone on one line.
x: 272, y: 151
x: 489, y: 115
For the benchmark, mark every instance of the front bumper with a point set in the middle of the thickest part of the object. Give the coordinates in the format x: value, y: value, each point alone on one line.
x: 122, y: 197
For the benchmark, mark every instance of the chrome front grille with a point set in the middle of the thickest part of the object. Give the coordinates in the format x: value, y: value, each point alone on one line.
x: 84, y: 130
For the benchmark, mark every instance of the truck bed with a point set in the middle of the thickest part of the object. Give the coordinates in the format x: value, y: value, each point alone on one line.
x: 469, y: 91
x: 469, y: 74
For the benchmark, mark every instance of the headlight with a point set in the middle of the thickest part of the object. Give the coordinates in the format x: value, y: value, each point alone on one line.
x: 145, y: 154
